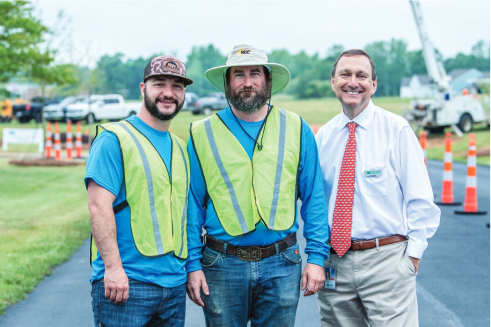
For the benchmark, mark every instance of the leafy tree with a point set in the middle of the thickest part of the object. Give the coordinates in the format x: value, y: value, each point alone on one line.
x: 416, y: 63
x: 334, y: 51
x: 282, y: 56
x: 309, y: 74
x: 114, y: 74
x: 114, y: 71
x: 479, y: 58
x: 481, y: 49
x: 25, y: 47
x: 391, y: 65
x: 20, y: 36
x: 200, y: 60
x: 135, y: 76
x: 82, y: 76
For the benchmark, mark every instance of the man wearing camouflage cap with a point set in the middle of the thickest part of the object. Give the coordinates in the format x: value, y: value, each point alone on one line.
x: 250, y: 163
x: 138, y: 208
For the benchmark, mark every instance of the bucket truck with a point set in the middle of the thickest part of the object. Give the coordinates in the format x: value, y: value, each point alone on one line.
x: 445, y: 109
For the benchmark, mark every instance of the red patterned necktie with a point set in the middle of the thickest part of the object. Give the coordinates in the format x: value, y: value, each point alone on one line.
x: 343, y: 208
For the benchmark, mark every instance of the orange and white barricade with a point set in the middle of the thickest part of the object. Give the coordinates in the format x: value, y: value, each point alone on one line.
x: 447, y: 187
x: 49, y: 141
x: 470, y: 203
x: 69, y: 140
x: 57, y: 145
x: 422, y: 140
x: 78, y: 140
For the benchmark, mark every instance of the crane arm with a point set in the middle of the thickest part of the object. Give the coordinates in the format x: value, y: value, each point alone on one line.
x: 433, y: 65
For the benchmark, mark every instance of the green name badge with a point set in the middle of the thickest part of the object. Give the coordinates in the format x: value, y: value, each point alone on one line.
x: 372, y: 173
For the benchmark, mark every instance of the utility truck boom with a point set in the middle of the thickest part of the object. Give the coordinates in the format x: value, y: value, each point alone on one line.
x: 445, y: 109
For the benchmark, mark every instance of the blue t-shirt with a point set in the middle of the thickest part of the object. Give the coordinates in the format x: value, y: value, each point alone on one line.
x: 104, y: 166
x: 310, y: 189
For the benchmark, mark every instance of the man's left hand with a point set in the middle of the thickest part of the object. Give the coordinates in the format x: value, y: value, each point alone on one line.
x: 415, y: 263
x: 313, y: 279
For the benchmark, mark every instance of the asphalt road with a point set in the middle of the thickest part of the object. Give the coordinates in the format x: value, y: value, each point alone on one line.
x: 453, y: 282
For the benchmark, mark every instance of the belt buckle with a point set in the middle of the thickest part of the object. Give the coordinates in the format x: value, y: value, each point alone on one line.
x: 249, y: 253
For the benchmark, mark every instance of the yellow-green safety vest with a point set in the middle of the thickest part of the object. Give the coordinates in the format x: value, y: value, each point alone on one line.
x: 244, y: 191
x: 158, y: 205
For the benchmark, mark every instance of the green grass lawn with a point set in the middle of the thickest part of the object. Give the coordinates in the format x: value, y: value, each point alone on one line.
x: 44, y: 219
x: 460, y: 146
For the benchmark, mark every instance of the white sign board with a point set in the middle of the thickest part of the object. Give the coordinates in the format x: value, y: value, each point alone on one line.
x: 23, y: 136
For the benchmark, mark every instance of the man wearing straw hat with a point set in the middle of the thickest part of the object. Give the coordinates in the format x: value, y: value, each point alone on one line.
x: 250, y: 163
x: 137, y: 179
x: 380, y: 203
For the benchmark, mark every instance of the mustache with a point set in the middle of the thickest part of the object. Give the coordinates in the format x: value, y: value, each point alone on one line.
x: 248, y: 89
x: 162, y: 99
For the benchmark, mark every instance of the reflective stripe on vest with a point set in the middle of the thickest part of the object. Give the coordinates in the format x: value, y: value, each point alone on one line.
x: 244, y: 192
x: 158, y: 205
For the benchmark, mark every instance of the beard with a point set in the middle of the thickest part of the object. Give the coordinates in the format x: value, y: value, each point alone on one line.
x: 251, y: 103
x: 152, y: 108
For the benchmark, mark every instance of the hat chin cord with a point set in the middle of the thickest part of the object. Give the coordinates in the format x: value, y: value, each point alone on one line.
x: 263, y: 128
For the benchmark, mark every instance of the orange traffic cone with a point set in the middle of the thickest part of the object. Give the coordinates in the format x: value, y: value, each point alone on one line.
x: 447, y: 187
x: 422, y: 141
x: 470, y: 203
x: 69, y: 140
x: 49, y: 140
x: 57, y: 142
x: 78, y: 140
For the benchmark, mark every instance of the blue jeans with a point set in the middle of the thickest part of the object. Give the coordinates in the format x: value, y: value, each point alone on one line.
x: 265, y: 292
x: 147, y: 305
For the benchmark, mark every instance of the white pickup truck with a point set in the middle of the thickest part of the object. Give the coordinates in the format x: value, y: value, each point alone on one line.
x: 109, y: 106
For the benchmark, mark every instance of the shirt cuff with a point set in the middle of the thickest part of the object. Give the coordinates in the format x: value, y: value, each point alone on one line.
x: 193, y: 266
x: 416, y: 249
x: 316, y: 259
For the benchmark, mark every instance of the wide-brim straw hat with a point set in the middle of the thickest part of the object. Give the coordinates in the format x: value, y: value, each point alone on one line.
x: 248, y: 55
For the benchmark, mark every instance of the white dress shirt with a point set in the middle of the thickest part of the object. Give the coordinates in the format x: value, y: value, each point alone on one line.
x: 393, y: 193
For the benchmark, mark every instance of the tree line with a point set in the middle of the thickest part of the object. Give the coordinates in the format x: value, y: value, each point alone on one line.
x: 310, y: 74
x: 26, y: 50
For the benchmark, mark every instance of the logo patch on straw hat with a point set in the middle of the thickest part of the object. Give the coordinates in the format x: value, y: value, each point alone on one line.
x: 244, y: 52
x: 171, y: 66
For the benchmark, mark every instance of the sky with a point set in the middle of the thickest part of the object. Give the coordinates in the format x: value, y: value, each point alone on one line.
x: 143, y: 28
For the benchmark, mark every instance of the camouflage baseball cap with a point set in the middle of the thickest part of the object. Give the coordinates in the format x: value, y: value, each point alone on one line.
x: 166, y: 65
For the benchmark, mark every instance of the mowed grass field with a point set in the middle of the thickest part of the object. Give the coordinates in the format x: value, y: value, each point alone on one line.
x: 43, y: 220
x: 44, y: 215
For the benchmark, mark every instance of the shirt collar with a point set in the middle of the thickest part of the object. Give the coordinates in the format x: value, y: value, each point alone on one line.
x: 363, y: 119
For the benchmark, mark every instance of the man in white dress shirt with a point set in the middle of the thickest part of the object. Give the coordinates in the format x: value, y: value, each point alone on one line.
x: 381, y: 209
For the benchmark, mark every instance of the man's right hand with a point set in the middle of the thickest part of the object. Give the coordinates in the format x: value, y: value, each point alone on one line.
x: 116, y: 285
x: 196, y: 282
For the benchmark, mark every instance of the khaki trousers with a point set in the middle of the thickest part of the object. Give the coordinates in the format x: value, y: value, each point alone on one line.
x: 375, y: 287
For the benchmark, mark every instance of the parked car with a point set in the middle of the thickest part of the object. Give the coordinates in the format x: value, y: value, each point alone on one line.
x: 214, y: 101
x: 57, y: 111
x: 190, y: 102
x: 109, y: 106
x: 25, y: 112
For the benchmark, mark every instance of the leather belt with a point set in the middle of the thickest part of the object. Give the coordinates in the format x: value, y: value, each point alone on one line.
x: 251, y: 253
x: 370, y: 244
